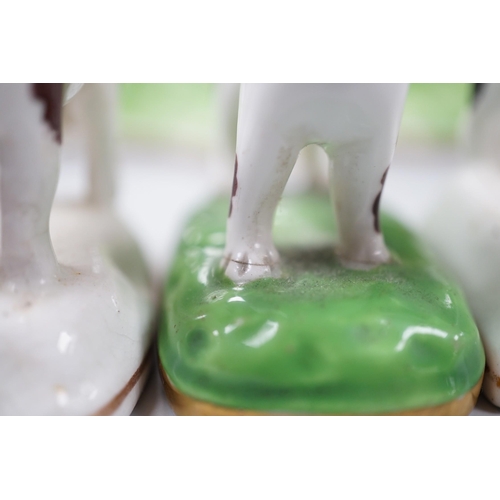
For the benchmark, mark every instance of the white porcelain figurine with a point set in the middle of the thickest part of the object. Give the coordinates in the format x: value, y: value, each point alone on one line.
x: 75, y: 302
x: 278, y: 120
x: 464, y: 227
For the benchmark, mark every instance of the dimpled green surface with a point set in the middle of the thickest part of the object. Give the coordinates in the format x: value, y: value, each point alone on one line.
x: 322, y: 339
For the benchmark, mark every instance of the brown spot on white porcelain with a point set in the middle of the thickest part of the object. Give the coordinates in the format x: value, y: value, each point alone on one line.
x: 51, y: 94
x: 235, y: 184
x: 376, y: 203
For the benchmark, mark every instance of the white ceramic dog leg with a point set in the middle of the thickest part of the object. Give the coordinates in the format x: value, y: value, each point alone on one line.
x: 264, y: 161
x: 356, y: 181
x: 99, y: 113
x: 30, y: 136
x: 357, y: 124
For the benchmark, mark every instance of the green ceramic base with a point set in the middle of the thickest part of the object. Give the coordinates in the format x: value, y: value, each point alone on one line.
x: 322, y: 339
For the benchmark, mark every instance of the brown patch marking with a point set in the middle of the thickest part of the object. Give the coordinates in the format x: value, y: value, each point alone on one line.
x: 492, y: 375
x: 376, y: 203
x: 495, y: 377
x: 375, y: 209
x: 51, y: 95
x: 235, y: 185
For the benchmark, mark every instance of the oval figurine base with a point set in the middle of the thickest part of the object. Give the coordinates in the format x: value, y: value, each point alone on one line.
x: 322, y: 339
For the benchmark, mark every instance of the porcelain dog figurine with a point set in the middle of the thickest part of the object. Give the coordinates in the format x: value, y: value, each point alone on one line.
x: 75, y: 301
x: 371, y: 328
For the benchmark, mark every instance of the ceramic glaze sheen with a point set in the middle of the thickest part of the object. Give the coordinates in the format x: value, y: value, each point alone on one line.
x: 322, y: 338
x: 71, y: 347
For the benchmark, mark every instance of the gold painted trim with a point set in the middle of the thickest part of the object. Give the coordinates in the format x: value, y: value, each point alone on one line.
x: 115, y: 403
x: 187, y: 406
